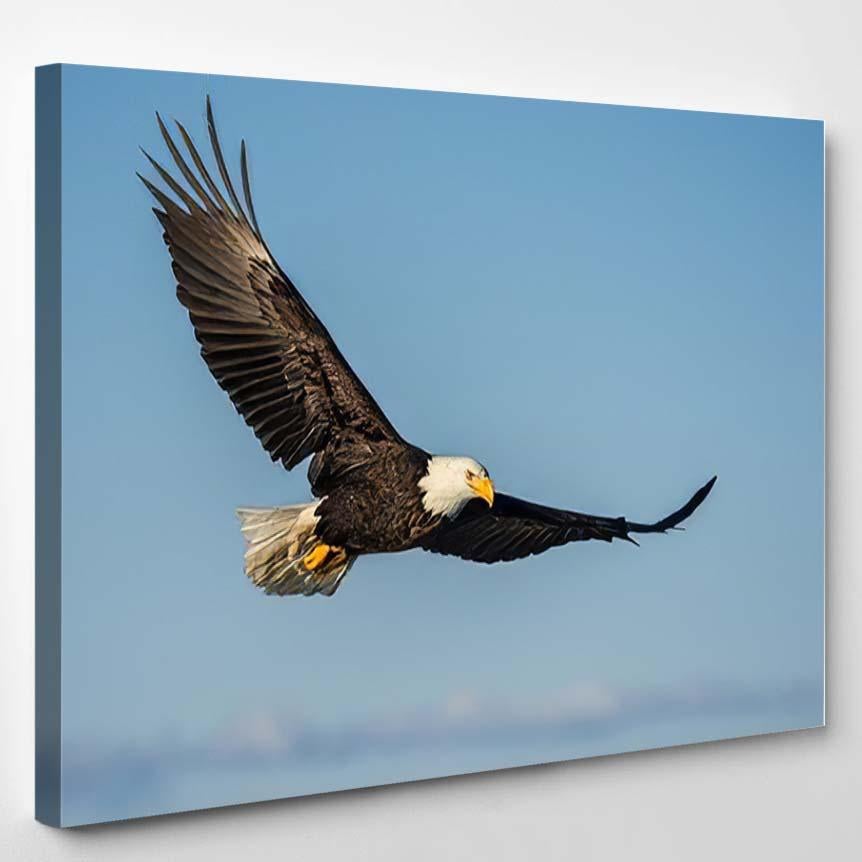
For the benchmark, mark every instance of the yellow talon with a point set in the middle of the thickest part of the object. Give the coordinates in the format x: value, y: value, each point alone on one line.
x: 316, y: 557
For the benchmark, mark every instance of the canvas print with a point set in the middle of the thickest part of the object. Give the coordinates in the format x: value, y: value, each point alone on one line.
x: 341, y: 392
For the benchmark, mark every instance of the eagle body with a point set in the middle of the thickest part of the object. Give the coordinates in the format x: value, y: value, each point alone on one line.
x: 377, y: 507
x: 374, y: 491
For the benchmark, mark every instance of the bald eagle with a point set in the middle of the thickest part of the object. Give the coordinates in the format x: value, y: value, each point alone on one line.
x: 374, y: 492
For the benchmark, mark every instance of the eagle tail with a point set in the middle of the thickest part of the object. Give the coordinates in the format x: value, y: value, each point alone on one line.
x: 284, y: 555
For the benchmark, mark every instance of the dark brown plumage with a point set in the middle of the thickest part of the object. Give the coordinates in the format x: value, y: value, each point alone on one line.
x: 513, y: 528
x: 286, y: 377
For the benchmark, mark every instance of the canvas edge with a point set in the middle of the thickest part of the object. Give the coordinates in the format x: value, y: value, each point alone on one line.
x: 48, y: 607
x: 825, y: 144
x: 492, y: 94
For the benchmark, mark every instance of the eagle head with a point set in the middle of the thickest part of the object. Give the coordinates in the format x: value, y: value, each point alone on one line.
x: 450, y: 482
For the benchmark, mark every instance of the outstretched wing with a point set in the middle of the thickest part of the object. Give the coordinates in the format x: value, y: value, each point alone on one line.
x: 514, y: 528
x: 258, y: 336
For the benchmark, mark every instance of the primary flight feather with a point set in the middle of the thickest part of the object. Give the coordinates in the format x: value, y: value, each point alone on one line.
x: 375, y: 492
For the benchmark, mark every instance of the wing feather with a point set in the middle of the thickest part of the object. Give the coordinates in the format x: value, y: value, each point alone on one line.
x: 259, y: 337
x: 514, y: 528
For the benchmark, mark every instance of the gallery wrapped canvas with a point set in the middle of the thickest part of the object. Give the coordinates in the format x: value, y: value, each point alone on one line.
x: 379, y: 433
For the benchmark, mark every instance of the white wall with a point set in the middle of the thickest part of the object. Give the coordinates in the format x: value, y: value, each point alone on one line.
x: 795, y: 796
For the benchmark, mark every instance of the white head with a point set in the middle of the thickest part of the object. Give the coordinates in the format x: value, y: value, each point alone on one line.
x: 451, y: 482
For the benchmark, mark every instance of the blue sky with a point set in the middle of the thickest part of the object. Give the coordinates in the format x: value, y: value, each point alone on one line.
x: 604, y: 305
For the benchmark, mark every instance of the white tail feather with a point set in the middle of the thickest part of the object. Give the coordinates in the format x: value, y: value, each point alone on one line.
x: 277, y: 541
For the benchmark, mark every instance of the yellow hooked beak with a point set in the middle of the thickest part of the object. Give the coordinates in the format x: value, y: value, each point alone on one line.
x: 482, y: 487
